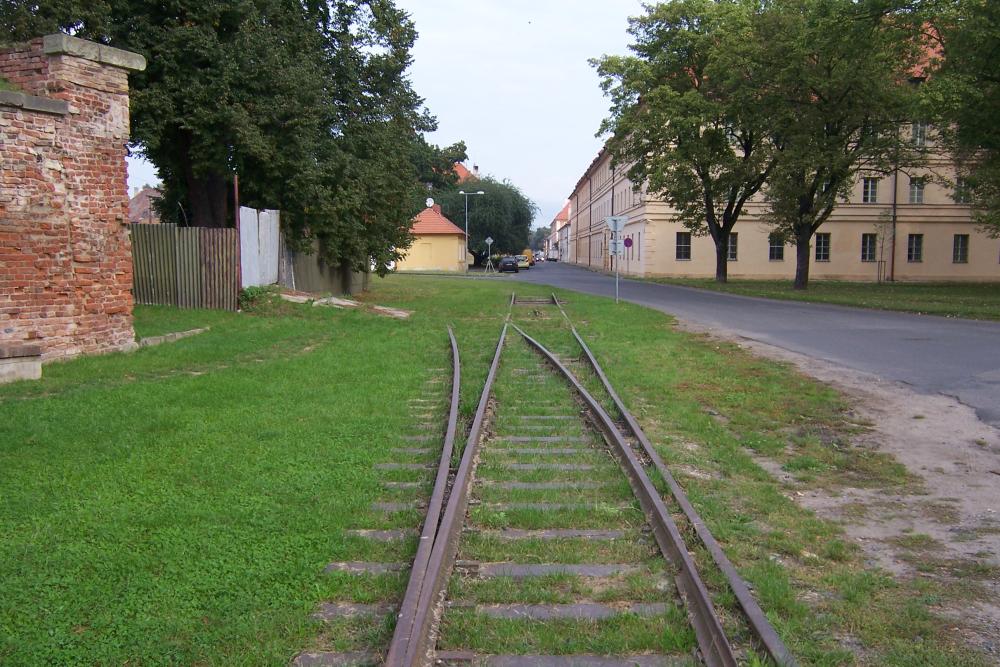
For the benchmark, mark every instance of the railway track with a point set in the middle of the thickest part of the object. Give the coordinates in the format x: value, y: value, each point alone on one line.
x: 548, y: 544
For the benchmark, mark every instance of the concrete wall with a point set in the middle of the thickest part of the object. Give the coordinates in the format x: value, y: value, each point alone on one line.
x: 65, y: 258
x: 309, y: 272
x: 653, y: 228
x: 435, y: 252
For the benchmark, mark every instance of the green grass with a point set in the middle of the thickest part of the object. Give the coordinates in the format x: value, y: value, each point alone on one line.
x: 978, y: 301
x: 178, y: 505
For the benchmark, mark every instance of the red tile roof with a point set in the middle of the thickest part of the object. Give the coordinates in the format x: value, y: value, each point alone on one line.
x: 430, y: 221
x: 462, y: 172
x: 563, y: 215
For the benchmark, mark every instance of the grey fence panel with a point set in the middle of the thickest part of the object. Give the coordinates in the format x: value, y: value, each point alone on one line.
x: 220, y: 277
x: 189, y: 273
x: 249, y: 246
x: 154, y: 264
x: 268, y: 244
x: 188, y: 267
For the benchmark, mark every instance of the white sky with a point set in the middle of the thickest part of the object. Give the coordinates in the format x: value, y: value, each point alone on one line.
x: 511, y: 79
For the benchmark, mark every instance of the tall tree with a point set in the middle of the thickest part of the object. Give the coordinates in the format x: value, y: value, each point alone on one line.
x: 964, y: 95
x: 308, y: 101
x: 504, y: 213
x: 840, y: 72
x: 538, y: 237
x: 687, y: 114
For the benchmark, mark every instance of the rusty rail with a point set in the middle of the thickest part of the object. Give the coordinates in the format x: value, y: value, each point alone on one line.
x: 711, y: 637
x: 755, y: 616
x: 418, y: 643
x: 408, y: 611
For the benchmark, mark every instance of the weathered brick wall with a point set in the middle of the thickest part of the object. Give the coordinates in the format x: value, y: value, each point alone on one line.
x: 65, y: 257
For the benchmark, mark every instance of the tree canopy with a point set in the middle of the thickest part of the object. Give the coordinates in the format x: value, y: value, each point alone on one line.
x: 963, y: 95
x: 308, y: 102
x: 840, y: 74
x: 503, y: 213
x: 688, y: 116
x: 538, y: 237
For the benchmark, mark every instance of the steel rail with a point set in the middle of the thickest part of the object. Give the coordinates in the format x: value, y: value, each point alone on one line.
x: 715, y: 648
x: 409, y: 607
x: 442, y: 558
x: 759, y: 624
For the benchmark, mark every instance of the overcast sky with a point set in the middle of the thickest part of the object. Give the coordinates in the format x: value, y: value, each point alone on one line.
x: 511, y: 79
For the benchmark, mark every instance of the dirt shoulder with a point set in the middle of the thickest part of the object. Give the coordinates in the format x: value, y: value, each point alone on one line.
x: 945, y: 526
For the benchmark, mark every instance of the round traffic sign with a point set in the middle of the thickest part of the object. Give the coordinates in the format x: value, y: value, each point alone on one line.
x: 628, y: 243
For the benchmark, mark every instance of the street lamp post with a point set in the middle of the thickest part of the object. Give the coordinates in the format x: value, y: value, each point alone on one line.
x: 467, y: 195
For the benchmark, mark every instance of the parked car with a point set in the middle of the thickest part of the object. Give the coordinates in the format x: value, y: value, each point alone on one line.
x: 508, y: 263
x: 523, y: 262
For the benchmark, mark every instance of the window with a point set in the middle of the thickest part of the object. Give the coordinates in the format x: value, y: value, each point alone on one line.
x: 915, y: 248
x: 776, y: 248
x: 963, y: 194
x: 733, y: 246
x: 960, y: 249
x: 916, y: 191
x: 683, y: 245
x: 822, y: 247
x: 869, y: 193
x: 919, y: 136
x: 867, y: 247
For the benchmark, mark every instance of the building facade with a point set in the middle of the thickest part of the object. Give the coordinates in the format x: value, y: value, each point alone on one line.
x: 438, y: 244
x: 906, y: 226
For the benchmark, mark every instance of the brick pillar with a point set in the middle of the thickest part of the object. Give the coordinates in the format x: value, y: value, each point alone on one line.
x: 65, y: 256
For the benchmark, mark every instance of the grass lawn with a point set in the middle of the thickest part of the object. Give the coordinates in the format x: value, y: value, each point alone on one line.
x: 978, y: 301
x: 177, y: 505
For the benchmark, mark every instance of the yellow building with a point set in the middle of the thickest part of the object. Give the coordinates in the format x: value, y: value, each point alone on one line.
x: 906, y: 226
x: 439, y: 245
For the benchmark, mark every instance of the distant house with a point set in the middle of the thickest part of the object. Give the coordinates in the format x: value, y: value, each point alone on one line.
x: 553, y: 249
x: 464, y: 174
x: 439, y: 245
x: 140, y: 206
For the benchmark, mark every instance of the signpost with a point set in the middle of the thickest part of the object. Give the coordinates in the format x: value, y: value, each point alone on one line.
x: 489, y: 254
x: 616, y: 223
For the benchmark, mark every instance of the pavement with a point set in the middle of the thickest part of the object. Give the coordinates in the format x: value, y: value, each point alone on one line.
x: 933, y: 355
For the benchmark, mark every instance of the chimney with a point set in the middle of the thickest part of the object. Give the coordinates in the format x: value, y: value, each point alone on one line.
x: 436, y: 208
x: 475, y: 170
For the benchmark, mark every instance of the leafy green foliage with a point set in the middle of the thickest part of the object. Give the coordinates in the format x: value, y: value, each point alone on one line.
x: 964, y: 96
x: 839, y: 74
x: 538, y: 237
x: 503, y: 213
x: 688, y: 117
x: 309, y: 103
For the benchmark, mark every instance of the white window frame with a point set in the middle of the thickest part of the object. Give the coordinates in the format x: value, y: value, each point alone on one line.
x: 869, y: 190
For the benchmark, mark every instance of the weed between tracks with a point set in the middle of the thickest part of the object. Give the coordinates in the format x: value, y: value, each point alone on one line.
x: 179, y: 505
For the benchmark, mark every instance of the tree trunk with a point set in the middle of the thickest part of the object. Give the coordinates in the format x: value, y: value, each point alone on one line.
x: 722, y: 257
x: 207, y: 194
x: 802, y: 260
x: 208, y: 197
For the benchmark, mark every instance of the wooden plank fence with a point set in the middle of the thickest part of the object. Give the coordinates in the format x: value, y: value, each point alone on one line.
x: 189, y: 267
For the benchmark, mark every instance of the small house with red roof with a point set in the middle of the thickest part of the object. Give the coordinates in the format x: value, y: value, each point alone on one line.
x: 438, y: 244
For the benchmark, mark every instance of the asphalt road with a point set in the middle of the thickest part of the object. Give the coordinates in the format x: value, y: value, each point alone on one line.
x: 959, y: 358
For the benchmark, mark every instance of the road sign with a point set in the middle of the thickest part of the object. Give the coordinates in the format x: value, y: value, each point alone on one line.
x: 489, y: 254
x: 628, y: 243
x: 615, y: 248
x: 616, y: 223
